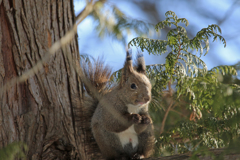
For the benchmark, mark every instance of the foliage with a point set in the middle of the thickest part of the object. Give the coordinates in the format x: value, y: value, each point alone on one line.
x: 193, y: 108
x: 112, y: 21
x: 211, y: 104
x: 204, y: 112
x: 13, y: 150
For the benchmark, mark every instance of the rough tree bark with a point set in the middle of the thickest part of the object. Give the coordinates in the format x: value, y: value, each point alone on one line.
x: 39, y: 111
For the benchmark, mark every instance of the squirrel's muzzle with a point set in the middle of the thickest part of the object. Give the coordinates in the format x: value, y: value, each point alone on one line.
x: 143, y: 99
x: 146, y: 99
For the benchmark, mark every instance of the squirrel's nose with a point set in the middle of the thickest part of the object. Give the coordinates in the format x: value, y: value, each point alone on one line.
x: 146, y: 99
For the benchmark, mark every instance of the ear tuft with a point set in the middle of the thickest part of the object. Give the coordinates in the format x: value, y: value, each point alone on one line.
x: 128, y: 68
x: 139, y: 55
x: 129, y: 54
x: 140, y: 64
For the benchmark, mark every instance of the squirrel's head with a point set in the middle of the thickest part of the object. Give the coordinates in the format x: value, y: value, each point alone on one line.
x: 135, y: 86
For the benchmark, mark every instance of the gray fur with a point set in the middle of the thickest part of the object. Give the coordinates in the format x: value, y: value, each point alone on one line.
x: 112, y: 116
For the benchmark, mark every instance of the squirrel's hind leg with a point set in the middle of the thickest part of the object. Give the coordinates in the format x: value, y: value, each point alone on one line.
x: 146, y: 142
x: 106, y: 142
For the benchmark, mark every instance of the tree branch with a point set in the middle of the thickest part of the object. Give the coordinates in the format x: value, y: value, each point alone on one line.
x: 168, y: 109
x: 218, y: 153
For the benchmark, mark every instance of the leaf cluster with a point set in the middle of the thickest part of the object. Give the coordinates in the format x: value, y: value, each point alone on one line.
x: 211, y: 105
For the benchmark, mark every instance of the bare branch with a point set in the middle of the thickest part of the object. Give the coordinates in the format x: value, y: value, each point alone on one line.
x: 168, y: 109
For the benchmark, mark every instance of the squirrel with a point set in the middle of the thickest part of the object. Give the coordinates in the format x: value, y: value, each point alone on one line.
x: 121, y: 124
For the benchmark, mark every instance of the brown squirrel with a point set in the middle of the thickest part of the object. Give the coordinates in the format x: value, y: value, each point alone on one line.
x: 121, y: 124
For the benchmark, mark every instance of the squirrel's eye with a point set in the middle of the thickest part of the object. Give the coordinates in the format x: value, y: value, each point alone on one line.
x: 133, y: 86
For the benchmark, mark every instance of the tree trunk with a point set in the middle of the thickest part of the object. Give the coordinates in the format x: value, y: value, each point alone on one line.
x: 39, y: 111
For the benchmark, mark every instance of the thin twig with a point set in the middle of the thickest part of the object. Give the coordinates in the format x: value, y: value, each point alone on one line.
x: 170, y: 93
x: 178, y: 112
x: 168, y: 109
x: 169, y: 87
x: 165, y: 117
x: 196, y: 145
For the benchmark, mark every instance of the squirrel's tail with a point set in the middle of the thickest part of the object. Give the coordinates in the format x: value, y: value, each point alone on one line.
x: 96, y: 83
x: 97, y: 76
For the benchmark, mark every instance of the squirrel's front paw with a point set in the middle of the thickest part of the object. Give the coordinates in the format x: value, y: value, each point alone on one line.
x: 136, y: 118
x: 145, y: 120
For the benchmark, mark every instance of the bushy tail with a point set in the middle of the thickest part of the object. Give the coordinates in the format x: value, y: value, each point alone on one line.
x: 95, y: 83
x: 95, y: 79
x: 97, y: 75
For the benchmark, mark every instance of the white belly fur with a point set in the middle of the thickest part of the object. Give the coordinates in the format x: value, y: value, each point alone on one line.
x: 128, y: 136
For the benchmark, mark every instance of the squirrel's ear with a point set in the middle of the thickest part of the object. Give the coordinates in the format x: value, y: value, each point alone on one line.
x: 140, y: 64
x: 128, y: 67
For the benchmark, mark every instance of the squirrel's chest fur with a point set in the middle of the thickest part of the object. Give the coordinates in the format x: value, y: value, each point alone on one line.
x: 129, y: 135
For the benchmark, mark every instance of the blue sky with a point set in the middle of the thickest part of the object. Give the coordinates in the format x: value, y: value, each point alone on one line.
x: 199, y: 13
